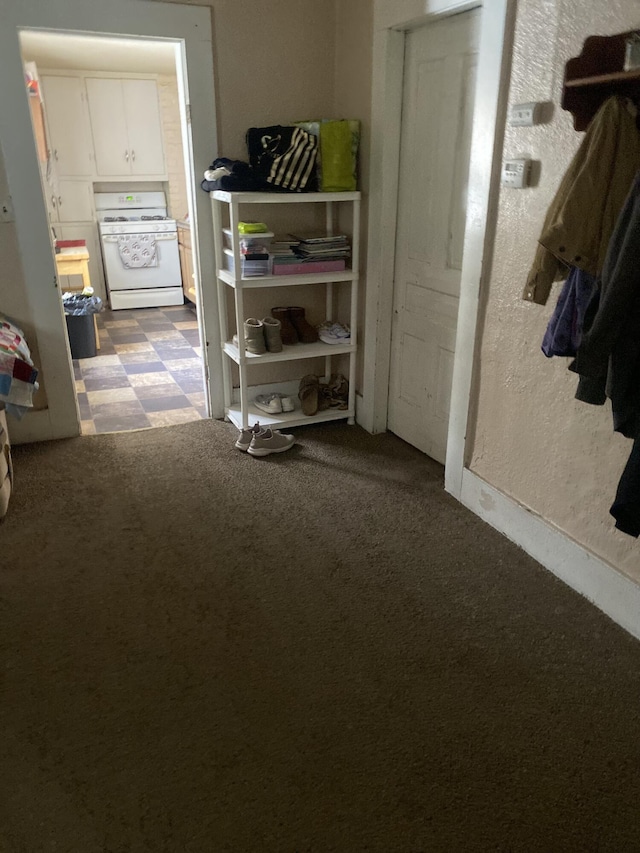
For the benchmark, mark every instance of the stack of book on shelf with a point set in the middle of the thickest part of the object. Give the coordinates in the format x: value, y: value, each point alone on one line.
x: 283, y: 250
x: 300, y: 255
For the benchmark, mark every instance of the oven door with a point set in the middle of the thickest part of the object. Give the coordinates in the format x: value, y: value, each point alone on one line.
x: 165, y: 274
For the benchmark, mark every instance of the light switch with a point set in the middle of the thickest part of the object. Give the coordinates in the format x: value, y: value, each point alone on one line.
x: 524, y: 115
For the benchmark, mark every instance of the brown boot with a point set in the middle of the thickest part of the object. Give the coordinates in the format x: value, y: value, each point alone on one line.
x: 306, y: 333
x: 287, y: 331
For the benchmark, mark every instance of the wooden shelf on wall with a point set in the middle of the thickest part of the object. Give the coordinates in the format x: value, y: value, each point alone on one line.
x: 595, y: 75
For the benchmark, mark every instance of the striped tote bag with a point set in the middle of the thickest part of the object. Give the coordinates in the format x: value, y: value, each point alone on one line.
x: 284, y: 158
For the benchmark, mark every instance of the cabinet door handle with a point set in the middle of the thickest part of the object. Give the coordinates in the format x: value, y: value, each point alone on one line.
x: 126, y: 156
x: 55, y: 154
x: 133, y: 154
x: 59, y: 201
x: 53, y: 201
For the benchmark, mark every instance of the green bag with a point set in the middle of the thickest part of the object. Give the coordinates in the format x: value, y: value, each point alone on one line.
x: 338, y: 153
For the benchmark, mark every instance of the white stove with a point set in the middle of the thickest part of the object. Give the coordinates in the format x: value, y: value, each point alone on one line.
x: 139, y: 249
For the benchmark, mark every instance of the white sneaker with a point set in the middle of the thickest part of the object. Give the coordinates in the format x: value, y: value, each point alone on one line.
x: 274, y: 404
x: 270, y: 441
x: 269, y: 403
x: 334, y: 333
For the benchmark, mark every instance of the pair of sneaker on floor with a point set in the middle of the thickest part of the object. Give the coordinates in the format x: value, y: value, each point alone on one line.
x: 258, y: 441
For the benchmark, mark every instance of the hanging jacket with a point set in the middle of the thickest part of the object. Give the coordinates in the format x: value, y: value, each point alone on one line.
x: 608, y: 358
x: 583, y: 213
x: 626, y: 507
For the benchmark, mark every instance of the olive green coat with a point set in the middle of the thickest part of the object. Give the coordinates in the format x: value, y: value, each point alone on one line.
x: 583, y: 214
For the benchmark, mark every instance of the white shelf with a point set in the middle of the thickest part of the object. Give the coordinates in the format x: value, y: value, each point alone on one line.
x: 281, y: 198
x: 285, y: 420
x: 287, y: 280
x: 289, y: 353
x: 228, y: 210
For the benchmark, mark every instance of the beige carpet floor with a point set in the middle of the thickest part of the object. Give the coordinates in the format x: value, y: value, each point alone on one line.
x: 204, y: 652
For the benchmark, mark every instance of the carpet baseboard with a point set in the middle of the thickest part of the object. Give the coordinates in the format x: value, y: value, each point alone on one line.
x: 609, y: 590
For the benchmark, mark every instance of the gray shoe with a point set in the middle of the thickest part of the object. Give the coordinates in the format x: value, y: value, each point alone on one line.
x: 272, y: 334
x: 270, y: 441
x: 254, y: 336
x: 246, y: 435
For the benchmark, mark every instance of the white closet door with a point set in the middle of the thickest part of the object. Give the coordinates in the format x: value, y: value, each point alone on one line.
x: 144, y: 126
x: 108, y: 126
x: 439, y: 87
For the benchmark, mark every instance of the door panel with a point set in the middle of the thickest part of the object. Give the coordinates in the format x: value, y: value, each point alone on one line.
x: 144, y: 127
x: 439, y: 87
x: 67, y: 120
x: 75, y: 201
x: 108, y: 126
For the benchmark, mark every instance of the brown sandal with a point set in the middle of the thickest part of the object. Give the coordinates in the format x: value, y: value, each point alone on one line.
x: 308, y: 393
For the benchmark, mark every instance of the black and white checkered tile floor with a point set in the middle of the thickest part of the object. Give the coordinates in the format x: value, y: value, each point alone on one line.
x: 148, y: 371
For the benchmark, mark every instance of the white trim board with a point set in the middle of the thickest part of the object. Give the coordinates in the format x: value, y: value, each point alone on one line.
x: 184, y: 25
x: 610, y: 591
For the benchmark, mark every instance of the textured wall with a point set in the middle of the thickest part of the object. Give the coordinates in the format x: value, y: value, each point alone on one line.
x: 532, y: 439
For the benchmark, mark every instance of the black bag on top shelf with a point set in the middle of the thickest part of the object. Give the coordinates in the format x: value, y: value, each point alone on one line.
x: 283, y: 158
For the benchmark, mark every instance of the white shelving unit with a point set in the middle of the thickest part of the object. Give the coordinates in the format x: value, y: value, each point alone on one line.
x: 227, y: 208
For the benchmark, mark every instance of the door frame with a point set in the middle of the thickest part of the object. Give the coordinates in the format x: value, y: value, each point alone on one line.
x: 190, y: 28
x: 494, y: 62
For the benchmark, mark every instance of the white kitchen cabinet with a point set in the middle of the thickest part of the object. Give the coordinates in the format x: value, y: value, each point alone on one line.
x: 144, y: 125
x: 67, y: 121
x: 229, y: 208
x: 74, y: 201
x: 67, y: 200
x: 126, y: 127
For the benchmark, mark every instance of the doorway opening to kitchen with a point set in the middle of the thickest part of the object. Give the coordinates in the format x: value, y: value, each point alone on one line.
x: 110, y: 125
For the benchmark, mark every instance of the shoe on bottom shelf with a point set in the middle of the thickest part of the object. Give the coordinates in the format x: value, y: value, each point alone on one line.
x: 270, y: 441
x: 246, y: 435
x: 274, y: 404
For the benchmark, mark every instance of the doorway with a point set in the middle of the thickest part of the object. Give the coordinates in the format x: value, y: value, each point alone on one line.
x: 32, y: 277
x: 440, y: 68
x: 107, y: 118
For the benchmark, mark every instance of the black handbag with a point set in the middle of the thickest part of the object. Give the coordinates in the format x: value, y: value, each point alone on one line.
x: 283, y: 158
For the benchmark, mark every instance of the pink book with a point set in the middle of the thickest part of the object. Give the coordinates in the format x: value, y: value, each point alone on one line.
x: 309, y: 267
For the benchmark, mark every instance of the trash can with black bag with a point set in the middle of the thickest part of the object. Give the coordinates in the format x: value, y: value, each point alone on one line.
x: 79, y: 309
